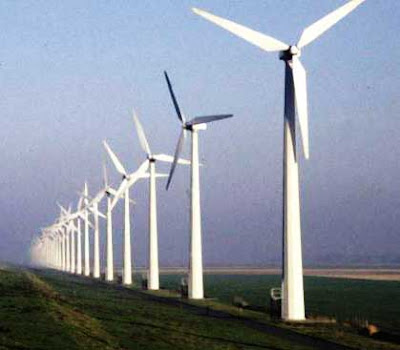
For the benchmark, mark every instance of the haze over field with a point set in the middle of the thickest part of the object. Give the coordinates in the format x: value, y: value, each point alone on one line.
x: 70, y: 73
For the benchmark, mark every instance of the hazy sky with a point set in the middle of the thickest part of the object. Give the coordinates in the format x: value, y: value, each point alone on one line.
x: 70, y: 71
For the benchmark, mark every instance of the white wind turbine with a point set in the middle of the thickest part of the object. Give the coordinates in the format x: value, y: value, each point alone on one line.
x: 67, y: 222
x: 295, y: 98
x: 196, y: 290
x: 79, y: 239
x: 153, y: 266
x: 68, y: 236
x: 86, y: 231
x: 109, y: 191
x: 93, y: 206
x: 123, y: 191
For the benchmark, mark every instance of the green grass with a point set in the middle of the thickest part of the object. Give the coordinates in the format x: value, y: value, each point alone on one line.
x: 49, y: 310
x: 33, y: 316
x: 344, y: 299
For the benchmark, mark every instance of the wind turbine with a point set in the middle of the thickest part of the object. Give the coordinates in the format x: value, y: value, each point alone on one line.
x: 196, y: 290
x: 109, y: 191
x: 295, y: 98
x: 153, y: 271
x: 123, y: 191
x: 79, y: 239
x: 86, y: 231
x: 93, y: 206
x: 68, y: 233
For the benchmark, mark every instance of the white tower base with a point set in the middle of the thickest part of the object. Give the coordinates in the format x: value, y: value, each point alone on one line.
x: 292, y: 279
x: 153, y: 282
x: 110, y: 255
x: 196, y: 290
x: 127, y: 273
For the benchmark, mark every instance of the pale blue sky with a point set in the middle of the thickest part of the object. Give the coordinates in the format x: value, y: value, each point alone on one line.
x: 71, y: 71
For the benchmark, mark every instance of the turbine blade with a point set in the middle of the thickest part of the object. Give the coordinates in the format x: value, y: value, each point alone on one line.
x: 100, y: 214
x: 63, y: 210
x: 79, y: 206
x: 111, y: 191
x: 300, y: 87
x: 161, y: 175
x: 90, y: 224
x: 315, y: 30
x: 120, y: 192
x: 138, y: 174
x: 263, y: 41
x: 169, y: 159
x: 86, y: 190
x: 118, y: 165
x: 105, y: 175
x: 171, y: 91
x: 208, y: 119
x: 141, y: 134
x: 176, y: 157
x: 98, y: 197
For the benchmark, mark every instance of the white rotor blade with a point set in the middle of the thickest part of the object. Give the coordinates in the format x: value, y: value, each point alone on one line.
x: 263, y: 41
x: 300, y: 88
x: 161, y: 175
x: 169, y: 159
x: 111, y: 191
x: 90, y: 224
x: 63, y: 210
x: 315, y: 30
x: 105, y: 175
x: 139, y: 174
x: 176, y: 157
x: 120, y: 192
x: 118, y: 165
x: 85, y: 190
x: 98, y: 197
x: 208, y: 119
x: 141, y: 134
x: 101, y: 215
x: 79, y: 206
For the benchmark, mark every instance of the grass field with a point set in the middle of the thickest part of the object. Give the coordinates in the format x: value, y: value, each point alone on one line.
x: 50, y: 310
x: 344, y: 299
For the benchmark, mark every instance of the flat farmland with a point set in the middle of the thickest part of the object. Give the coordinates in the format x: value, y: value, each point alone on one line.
x: 346, y: 299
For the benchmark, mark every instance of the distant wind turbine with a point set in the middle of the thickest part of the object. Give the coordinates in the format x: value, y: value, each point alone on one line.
x: 93, y: 206
x: 196, y: 289
x: 153, y: 266
x: 123, y: 191
x: 109, y: 191
x: 295, y: 96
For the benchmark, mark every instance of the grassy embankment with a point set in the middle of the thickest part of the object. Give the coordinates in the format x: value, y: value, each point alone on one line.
x: 48, y: 310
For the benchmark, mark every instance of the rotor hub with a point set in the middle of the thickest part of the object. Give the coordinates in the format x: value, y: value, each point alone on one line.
x: 288, y: 54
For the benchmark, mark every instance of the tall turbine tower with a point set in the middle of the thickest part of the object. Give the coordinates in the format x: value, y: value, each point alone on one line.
x: 153, y: 266
x: 109, y: 191
x: 86, y: 231
x: 94, y: 208
x: 196, y: 289
x: 295, y: 96
x: 79, y: 240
